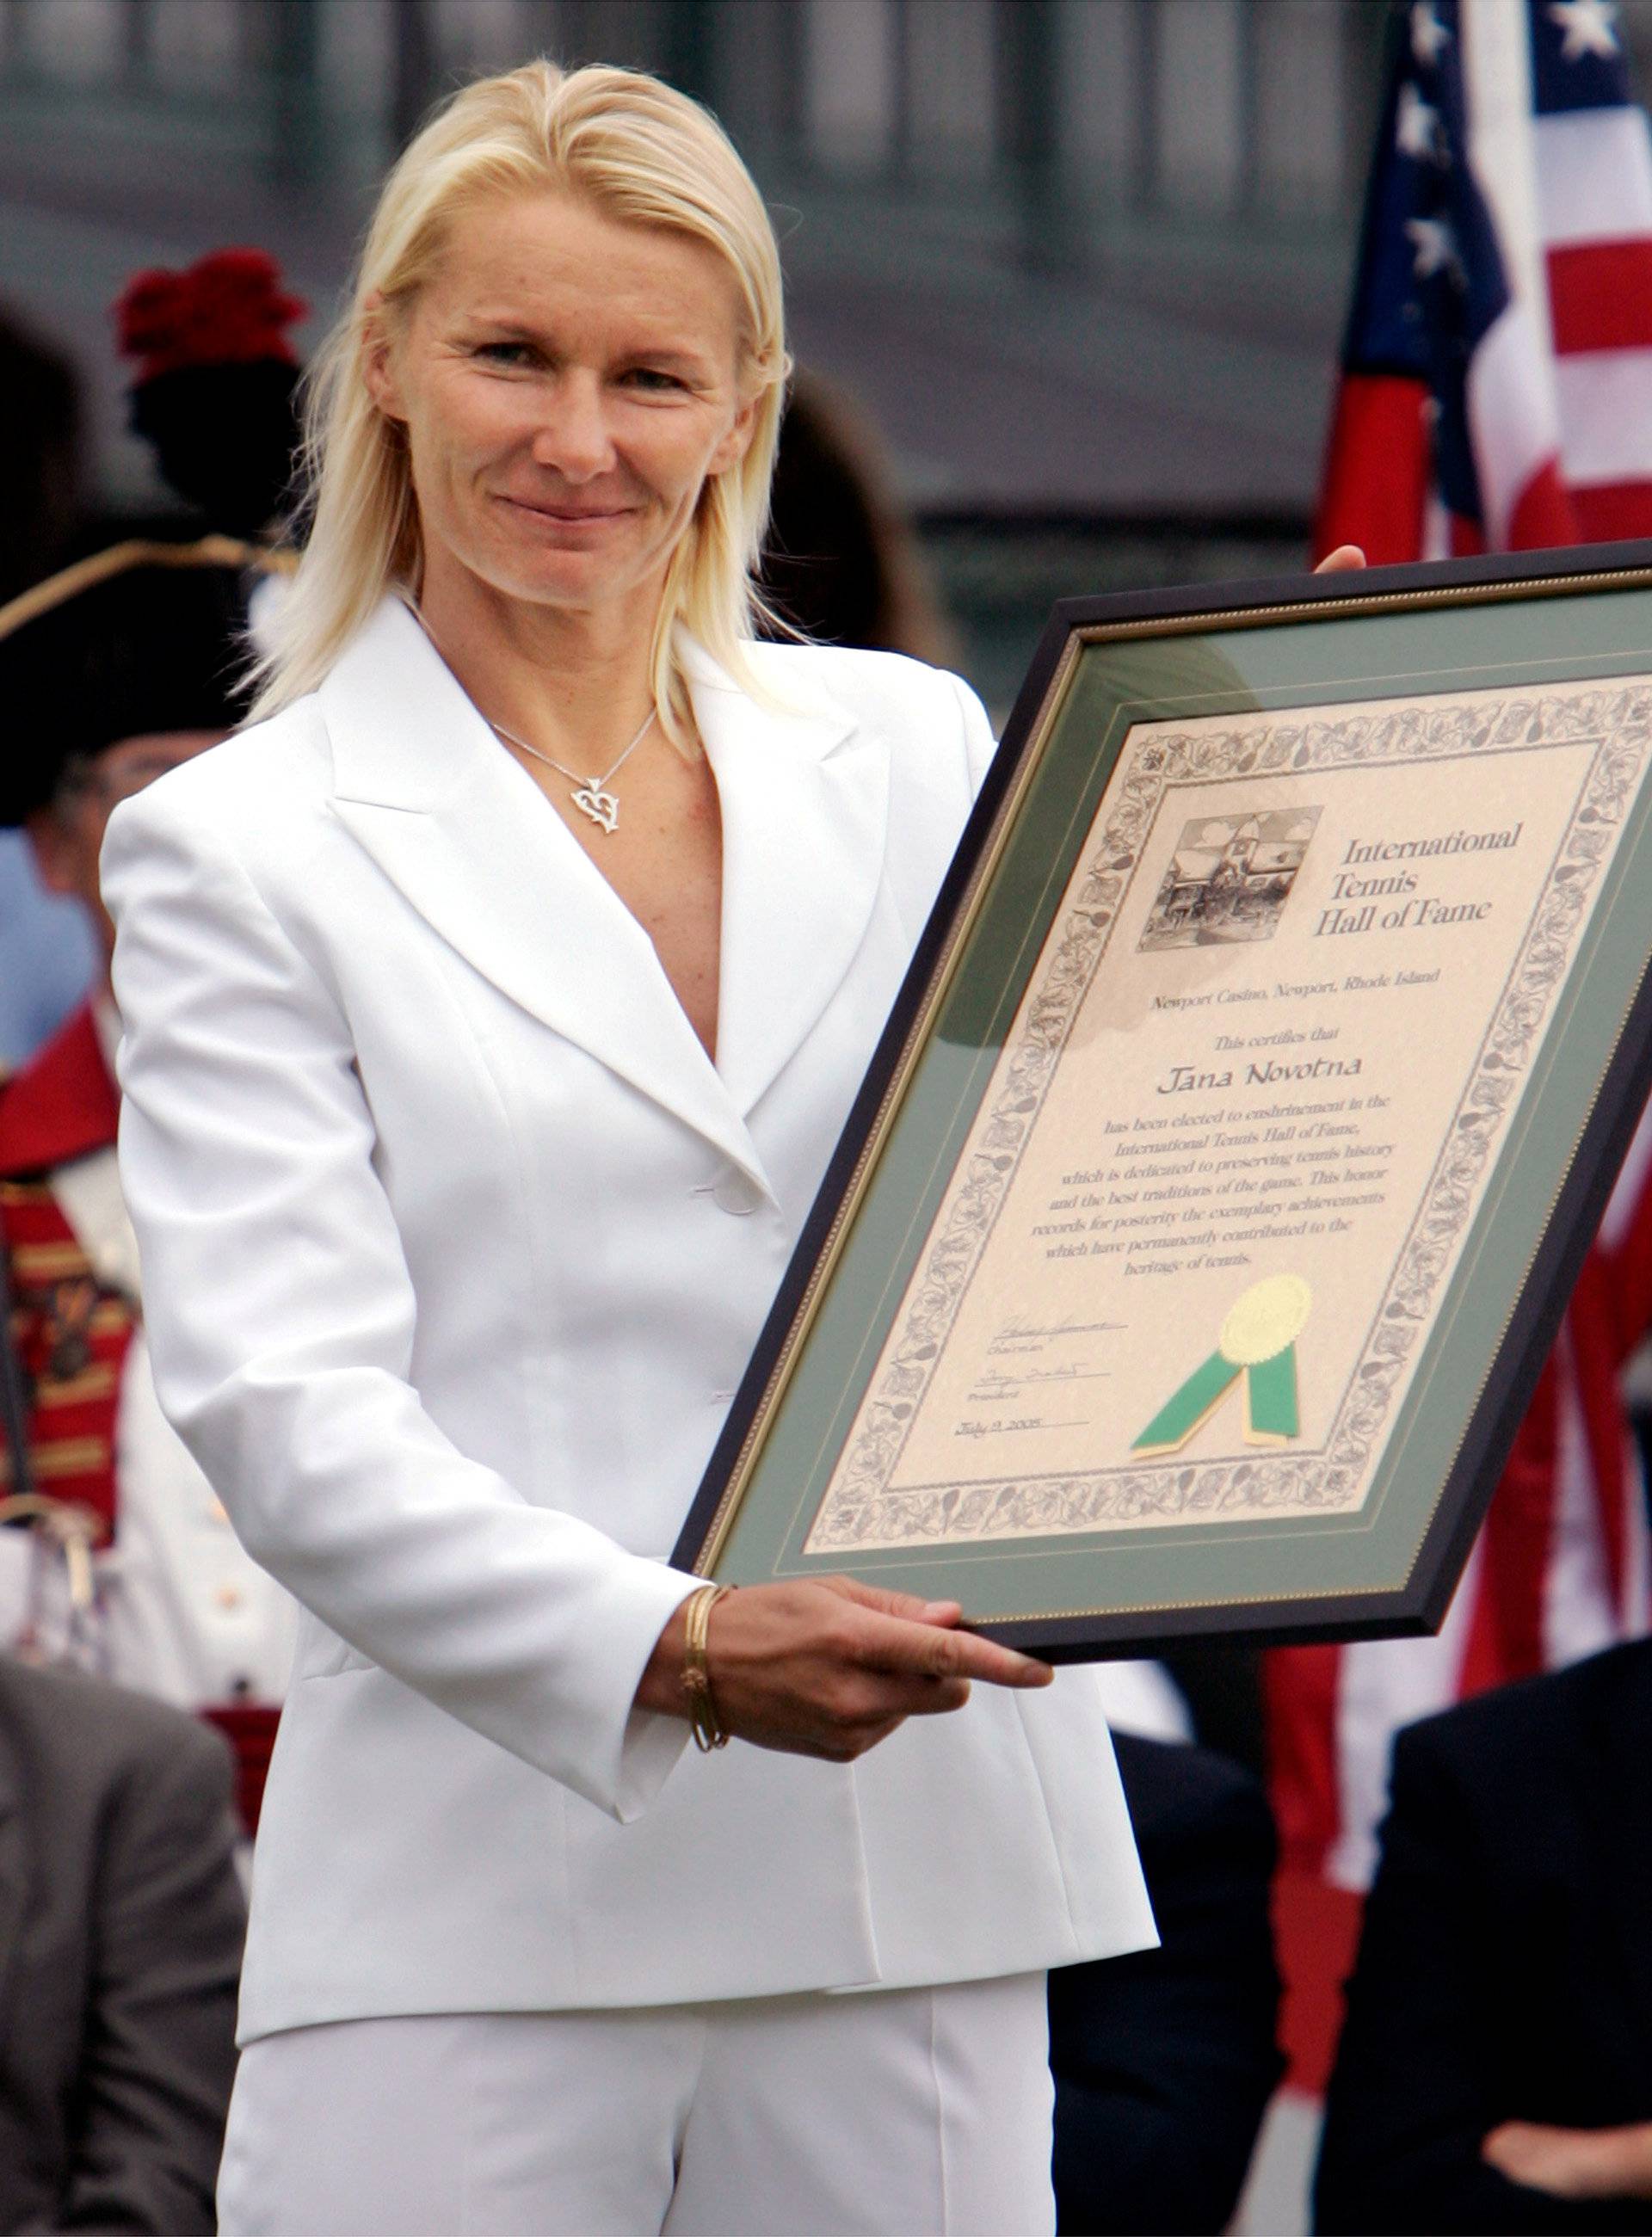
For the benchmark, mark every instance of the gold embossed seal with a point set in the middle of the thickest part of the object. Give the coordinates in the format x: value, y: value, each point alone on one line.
x: 1269, y: 1316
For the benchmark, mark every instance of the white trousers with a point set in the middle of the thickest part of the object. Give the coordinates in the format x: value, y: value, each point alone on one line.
x: 900, y: 2113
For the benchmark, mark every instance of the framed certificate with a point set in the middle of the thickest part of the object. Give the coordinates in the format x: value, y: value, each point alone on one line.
x: 1202, y: 1225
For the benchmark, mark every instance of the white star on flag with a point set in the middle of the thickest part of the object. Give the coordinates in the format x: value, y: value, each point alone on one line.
x: 1429, y: 35
x: 1414, y: 125
x: 1436, y: 249
x: 1588, y: 26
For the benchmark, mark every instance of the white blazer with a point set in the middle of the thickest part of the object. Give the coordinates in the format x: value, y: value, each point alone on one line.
x: 455, y: 1244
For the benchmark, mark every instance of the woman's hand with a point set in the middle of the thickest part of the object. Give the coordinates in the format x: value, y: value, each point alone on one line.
x: 831, y: 1668
x: 1343, y: 561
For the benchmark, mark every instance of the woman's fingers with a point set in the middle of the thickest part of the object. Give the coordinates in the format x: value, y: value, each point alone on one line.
x: 927, y: 1652
x: 1343, y: 561
x: 922, y: 1640
x: 907, y: 1604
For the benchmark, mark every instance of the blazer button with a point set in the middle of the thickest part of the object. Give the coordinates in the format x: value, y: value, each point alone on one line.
x: 736, y: 1193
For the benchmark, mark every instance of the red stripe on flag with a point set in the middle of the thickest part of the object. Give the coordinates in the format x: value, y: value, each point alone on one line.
x: 1613, y: 512
x: 1542, y: 515
x: 1299, y: 1685
x: 1598, y: 1359
x: 1316, y: 1936
x: 1506, y: 1624
x: 1600, y: 296
x: 1631, y: 1273
x: 1376, y: 469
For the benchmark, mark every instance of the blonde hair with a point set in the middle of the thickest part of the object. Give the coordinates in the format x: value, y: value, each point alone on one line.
x: 640, y: 153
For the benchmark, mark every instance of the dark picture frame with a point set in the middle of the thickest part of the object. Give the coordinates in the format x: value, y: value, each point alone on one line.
x: 1572, y: 624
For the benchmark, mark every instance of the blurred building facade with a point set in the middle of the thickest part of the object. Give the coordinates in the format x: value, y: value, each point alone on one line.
x: 1083, y: 262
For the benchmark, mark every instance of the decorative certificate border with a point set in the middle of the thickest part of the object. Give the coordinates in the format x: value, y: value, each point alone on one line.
x: 861, y: 1510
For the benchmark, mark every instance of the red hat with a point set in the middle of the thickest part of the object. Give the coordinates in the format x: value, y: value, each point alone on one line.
x: 228, y: 308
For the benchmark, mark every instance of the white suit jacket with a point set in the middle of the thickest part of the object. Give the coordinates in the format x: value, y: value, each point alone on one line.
x: 455, y: 1244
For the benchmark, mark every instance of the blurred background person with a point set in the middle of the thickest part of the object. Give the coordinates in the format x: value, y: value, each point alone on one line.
x: 212, y: 395
x: 1165, y: 2060
x: 47, y: 958
x: 121, y: 1923
x: 841, y: 560
x: 42, y: 461
x: 214, y: 386
x: 110, y: 674
x: 1495, y: 2073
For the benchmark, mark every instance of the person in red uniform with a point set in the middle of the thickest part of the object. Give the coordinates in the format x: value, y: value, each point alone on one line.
x: 120, y: 1557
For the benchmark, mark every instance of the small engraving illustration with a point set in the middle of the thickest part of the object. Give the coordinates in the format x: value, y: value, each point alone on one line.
x: 1229, y: 879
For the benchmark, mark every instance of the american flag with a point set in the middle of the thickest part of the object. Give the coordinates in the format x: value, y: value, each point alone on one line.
x: 1496, y: 381
x: 1496, y: 393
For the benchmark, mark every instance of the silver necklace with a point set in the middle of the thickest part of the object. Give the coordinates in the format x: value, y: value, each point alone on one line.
x: 590, y: 795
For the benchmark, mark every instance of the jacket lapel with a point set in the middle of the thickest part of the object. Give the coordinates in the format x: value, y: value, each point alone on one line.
x: 464, y: 834
x: 804, y: 796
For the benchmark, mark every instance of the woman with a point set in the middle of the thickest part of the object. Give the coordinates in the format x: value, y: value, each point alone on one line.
x: 491, y: 1011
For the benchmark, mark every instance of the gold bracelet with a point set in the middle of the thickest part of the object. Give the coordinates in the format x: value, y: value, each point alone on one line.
x: 697, y: 1676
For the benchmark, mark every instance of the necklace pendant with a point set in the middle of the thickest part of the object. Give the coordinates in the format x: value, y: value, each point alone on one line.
x: 601, y: 807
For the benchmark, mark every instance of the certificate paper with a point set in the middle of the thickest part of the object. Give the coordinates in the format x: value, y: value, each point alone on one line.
x: 1211, y: 1202
x: 1248, y: 1104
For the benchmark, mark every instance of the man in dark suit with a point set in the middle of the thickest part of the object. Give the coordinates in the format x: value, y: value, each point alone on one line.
x: 1496, y: 2070
x: 1164, y: 2061
x: 120, y: 1922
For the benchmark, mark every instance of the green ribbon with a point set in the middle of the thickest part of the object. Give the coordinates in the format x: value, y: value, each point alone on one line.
x: 1271, y: 1413
x: 1271, y: 1400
